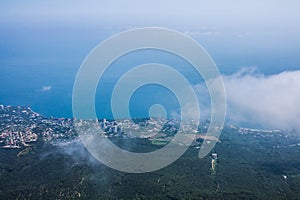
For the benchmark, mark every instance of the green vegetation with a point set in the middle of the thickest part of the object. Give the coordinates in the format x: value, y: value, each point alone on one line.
x: 248, y: 167
x: 159, y: 141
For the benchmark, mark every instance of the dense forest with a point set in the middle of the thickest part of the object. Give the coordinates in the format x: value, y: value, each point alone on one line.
x: 249, y: 166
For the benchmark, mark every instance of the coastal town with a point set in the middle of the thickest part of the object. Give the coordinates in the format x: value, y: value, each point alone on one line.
x: 20, y: 127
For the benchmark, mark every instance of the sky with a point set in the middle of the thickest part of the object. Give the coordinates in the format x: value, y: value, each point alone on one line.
x: 235, y: 33
x: 43, y: 43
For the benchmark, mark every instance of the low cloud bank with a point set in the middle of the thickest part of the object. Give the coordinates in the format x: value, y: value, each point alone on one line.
x: 257, y: 100
x: 268, y: 101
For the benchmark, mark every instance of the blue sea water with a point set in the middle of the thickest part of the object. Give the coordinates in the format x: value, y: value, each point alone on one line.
x: 23, y: 85
x: 32, y: 57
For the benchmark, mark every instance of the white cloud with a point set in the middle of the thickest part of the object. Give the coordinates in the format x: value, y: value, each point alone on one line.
x: 255, y: 99
x: 269, y: 101
x: 203, y: 33
x: 46, y: 88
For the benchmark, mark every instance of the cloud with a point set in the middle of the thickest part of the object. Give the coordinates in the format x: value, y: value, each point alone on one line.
x: 202, y: 33
x: 46, y: 88
x: 257, y: 100
x: 242, y: 35
x: 267, y: 101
